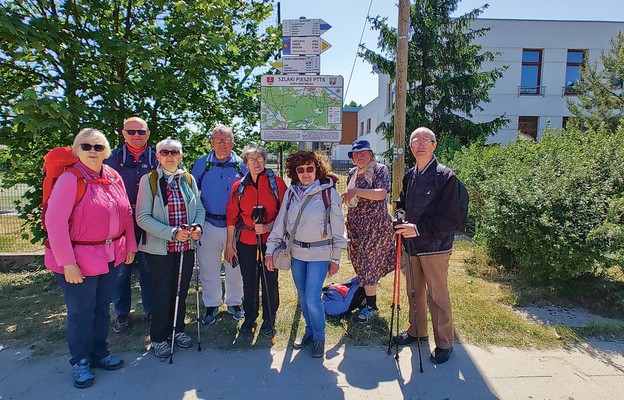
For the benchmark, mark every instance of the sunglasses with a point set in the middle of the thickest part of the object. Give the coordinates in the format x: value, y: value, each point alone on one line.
x: 165, y: 153
x: 87, y: 147
x: 309, y: 169
x: 133, y: 132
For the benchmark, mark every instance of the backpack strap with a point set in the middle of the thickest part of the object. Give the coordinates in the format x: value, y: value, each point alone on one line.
x: 210, y: 164
x: 326, y: 194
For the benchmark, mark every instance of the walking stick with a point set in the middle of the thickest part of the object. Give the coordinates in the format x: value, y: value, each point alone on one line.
x: 177, y: 300
x: 396, y: 297
x: 413, y: 297
x: 259, y: 216
x: 196, y: 268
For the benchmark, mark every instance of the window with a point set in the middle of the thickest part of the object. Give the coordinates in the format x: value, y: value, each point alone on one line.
x: 368, y: 125
x: 530, y: 81
x: 390, y: 97
x: 574, y: 63
x: 528, y: 126
x: 361, y: 128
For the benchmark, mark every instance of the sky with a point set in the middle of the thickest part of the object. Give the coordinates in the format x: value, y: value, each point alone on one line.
x: 347, y: 18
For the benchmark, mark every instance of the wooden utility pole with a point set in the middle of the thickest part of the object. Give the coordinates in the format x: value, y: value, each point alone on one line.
x: 398, y: 164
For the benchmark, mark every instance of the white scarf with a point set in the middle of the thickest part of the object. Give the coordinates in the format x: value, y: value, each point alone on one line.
x: 171, y: 175
x: 369, y: 175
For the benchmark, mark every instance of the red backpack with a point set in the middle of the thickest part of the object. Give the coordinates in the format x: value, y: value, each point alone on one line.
x: 59, y: 160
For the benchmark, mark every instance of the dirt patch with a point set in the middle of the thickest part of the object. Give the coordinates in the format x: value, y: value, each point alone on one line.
x: 566, y: 316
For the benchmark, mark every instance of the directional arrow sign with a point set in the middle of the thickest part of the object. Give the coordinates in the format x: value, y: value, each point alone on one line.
x: 304, y: 27
x: 299, y: 64
x: 304, y: 45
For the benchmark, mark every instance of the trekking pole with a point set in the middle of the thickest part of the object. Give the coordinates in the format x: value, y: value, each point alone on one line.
x: 395, y: 289
x: 260, y: 264
x: 177, y: 300
x: 398, y: 299
x: 196, y: 268
x: 413, y: 297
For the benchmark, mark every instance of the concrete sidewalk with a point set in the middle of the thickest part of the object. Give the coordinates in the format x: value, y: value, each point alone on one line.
x: 591, y: 371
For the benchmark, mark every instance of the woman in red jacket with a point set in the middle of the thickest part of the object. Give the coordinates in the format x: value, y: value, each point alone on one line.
x: 253, y: 206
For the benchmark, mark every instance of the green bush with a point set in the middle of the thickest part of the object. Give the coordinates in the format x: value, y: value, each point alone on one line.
x: 553, y: 210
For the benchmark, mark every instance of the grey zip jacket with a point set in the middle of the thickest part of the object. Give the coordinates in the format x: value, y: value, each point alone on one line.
x: 311, y: 224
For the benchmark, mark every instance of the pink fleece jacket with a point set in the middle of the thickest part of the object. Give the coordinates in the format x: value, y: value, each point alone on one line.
x: 103, y: 213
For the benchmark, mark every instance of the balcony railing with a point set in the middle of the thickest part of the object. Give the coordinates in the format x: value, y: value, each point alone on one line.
x: 531, y: 90
x: 569, y: 91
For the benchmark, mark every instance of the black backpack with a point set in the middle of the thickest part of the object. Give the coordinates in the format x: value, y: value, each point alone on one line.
x: 464, y: 197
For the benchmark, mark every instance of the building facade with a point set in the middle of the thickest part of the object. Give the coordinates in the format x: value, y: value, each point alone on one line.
x: 543, y: 59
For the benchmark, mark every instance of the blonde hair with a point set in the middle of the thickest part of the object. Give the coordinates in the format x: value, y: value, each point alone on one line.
x: 92, y: 136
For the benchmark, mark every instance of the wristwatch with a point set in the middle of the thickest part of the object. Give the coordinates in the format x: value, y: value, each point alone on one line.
x: 175, y: 233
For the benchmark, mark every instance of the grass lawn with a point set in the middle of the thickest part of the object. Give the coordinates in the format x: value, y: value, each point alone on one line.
x: 32, y: 314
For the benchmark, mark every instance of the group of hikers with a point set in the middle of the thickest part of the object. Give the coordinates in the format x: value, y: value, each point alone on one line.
x: 136, y: 207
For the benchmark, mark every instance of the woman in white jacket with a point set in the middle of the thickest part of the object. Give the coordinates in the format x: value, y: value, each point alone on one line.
x: 318, y: 241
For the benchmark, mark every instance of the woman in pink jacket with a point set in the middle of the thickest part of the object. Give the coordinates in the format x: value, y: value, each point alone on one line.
x: 85, y: 243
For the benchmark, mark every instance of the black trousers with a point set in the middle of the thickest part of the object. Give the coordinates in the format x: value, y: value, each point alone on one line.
x: 163, y: 284
x: 252, y: 277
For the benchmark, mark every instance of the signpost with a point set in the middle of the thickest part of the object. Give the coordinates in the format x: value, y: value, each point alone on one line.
x: 299, y: 64
x: 296, y: 107
x: 304, y: 45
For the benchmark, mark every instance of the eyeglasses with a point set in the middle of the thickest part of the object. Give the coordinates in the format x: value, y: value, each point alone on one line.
x: 256, y: 160
x: 87, y: 147
x: 417, y: 141
x: 308, y: 169
x: 133, y: 132
x: 165, y: 153
x: 222, y: 140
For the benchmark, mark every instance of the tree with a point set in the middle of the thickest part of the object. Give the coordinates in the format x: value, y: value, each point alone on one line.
x: 600, y: 95
x: 444, y: 74
x: 181, y: 65
x: 353, y: 104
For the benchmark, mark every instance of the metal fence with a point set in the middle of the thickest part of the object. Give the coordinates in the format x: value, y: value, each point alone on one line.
x: 11, y: 227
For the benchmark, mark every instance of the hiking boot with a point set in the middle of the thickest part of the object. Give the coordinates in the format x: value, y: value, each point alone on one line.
x: 120, y: 324
x: 83, y: 378
x: 161, y: 349
x: 267, y: 329
x: 211, y: 315
x: 302, y: 341
x: 405, y: 338
x: 318, y: 348
x: 109, y: 363
x: 183, y: 340
x: 367, y: 314
x: 440, y: 356
x: 236, y: 312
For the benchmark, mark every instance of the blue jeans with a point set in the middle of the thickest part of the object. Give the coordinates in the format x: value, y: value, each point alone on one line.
x: 309, y: 277
x: 88, y: 314
x: 123, y: 296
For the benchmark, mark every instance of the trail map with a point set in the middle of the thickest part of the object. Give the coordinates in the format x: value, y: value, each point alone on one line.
x: 301, y: 108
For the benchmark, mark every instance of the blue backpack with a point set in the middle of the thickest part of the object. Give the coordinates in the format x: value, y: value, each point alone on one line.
x: 340, y: 299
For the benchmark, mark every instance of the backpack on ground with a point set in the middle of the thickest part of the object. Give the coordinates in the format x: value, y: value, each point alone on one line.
x: 464, y: 197
x: 340, y: 299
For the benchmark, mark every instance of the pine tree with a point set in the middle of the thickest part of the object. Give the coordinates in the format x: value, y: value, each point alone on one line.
x: 600, y: 96
x: 446, y: 82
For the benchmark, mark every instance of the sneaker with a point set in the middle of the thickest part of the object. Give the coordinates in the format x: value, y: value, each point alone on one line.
x: 367, y: 314
x: 405, y: 338
x: 83, y: 378
x: 183, y: 340
x: 318, y: 348
x: 302, y: 342
x: 161, y: 349
x: 248, y: 328
x: 120, y: 324
x: 236, y: 312
x: 440, y: 356
x: 211, y: 316
x: 109, y: 363
x: 266, y: 329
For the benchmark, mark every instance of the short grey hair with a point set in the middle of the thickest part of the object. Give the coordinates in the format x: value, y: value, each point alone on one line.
x: 92, y: 136
x: 222, y: 129
x: 170, y: 144
x: 253, y: 148
x: 423, y: 129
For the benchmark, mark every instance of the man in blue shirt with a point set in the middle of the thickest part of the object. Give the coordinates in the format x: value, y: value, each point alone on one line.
x: 133, y: 159
x: 215, y: 174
